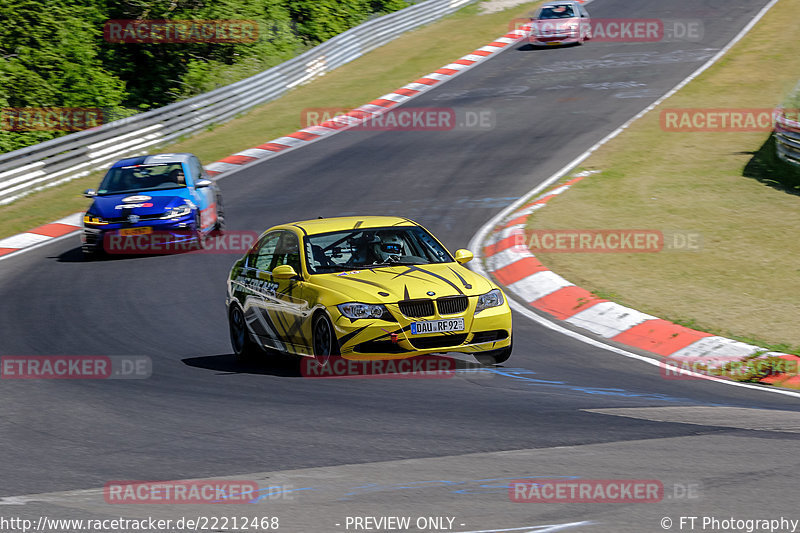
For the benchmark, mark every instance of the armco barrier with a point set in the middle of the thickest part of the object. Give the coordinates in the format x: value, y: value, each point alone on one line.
x: 72, y: 156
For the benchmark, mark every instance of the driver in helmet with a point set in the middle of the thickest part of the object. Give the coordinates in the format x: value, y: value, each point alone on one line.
x: 177, y: 177
x: 388, y: 248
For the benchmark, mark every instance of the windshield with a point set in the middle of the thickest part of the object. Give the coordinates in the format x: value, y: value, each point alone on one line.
x: 143, y: 178
x: 556, y: 12
x: 371, y: 247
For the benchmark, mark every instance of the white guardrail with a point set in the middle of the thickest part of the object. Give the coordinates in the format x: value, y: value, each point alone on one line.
x: 76, y: 155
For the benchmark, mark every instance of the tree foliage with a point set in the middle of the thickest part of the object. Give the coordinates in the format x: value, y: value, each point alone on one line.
x: 49, y: 57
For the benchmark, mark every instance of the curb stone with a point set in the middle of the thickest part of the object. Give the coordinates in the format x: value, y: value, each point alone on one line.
x: 510, y: 263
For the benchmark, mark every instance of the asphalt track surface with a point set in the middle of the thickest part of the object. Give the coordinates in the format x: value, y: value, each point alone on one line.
x: 201, y: 414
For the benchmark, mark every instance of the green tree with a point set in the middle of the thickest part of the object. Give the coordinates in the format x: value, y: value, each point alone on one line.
x: 319, y: 20
x: 53, y: 53
x: 49, y: 58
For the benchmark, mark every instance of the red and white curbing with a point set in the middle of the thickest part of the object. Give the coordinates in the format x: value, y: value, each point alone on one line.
x: 510, y: 262
x: 42, y: 234
x: 281, y: 145
x: 366, y: 112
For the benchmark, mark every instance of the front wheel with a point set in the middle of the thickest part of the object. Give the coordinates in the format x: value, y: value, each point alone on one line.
x: 92, y: 254
x: 324, y: 339
x: 219, y: 225
x: 243, y: 346
x: 495, y: 357
x: 200, y: 240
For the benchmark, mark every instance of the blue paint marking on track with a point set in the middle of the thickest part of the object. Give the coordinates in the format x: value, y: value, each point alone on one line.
x: 497, y: 485
x: 523, y: 374
x: 484, y: 485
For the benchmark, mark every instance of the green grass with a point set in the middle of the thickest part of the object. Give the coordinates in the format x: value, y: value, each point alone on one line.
x: 377, y: 73
x: 793, y: 100
x: 745, y: 281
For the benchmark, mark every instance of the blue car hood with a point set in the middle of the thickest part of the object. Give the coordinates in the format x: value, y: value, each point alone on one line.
x: 140, y: 203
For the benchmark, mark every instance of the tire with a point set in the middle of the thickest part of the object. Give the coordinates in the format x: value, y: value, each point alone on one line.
x: 92, y: 253
x: 243, y: 346
x: 324, y: 342
x: 199, y: 236
x: 495, y: 357
x: 219, y: 225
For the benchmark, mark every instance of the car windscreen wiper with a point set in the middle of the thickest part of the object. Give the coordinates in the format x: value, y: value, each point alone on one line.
x: 337, y: 268
x: 395, y: 263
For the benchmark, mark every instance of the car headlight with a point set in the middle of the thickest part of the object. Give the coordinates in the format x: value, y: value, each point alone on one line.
x: 356, y: 310
x: 93, y: 220
x: 490, y: 299
x: 177, y: 212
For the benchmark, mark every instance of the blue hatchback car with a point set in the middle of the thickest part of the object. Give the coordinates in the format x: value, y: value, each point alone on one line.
x: 167, y: 196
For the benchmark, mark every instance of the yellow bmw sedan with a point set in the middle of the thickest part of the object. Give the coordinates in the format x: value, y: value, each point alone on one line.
x: 363, y: 288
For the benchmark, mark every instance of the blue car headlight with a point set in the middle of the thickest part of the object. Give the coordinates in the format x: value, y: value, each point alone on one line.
x: 492, y: 298
x: 94, y: 220
x: 357, y: 310
x: 177, y: 212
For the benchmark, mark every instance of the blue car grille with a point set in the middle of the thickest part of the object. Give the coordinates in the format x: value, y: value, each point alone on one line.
x: 121, y: 220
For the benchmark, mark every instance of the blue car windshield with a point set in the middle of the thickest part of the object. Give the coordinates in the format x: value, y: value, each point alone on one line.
x: 137, y: 178
x: 372, y: 247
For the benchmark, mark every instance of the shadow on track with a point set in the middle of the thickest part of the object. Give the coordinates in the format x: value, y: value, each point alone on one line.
x: 528, y: 47
x: 280, y: 365
x: 767, y: 168
x: 271, y: 364
x: 155, y: 249
x: 76, y: 255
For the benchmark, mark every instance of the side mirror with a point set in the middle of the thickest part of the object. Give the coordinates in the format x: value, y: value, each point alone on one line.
x: 463, y: 256
x: 284, y: 272
x: 203, y: 183
x: 90, y: 193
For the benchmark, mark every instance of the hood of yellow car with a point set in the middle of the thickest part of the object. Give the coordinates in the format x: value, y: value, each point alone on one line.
x: 392, y: 284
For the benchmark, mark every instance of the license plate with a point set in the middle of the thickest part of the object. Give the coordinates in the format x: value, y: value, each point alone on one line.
x: 437, y: 326
x: 144, y: 230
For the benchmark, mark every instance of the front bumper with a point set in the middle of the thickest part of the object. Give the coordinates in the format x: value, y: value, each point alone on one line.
x: 163, y: 236
x: 787, y: 144
x: 367, y: 339
x: 554, y: 37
